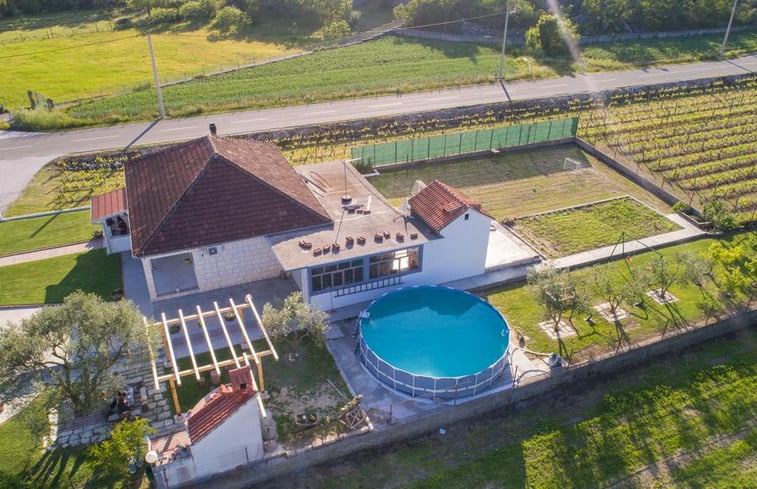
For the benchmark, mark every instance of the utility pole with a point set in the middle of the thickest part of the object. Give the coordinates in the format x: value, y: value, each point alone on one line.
x: 504, y: 40
x: 728, y: 29
x: 157, y: 78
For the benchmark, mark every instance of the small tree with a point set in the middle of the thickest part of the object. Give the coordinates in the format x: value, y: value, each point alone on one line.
x: 231, y: 20
x: 612, y: 290
x: 558, y: 292
x: 716, y: 212
x: 126, y: 446
x: 294, y: 321
x: 551, y: 35
x: 73, y: 348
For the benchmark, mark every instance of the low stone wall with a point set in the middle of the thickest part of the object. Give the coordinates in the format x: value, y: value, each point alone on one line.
x: 598, y: 367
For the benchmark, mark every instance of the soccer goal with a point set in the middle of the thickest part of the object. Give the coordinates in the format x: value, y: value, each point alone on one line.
x: 571, y: 164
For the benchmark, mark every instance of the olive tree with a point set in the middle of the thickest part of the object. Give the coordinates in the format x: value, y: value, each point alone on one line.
x: 71, y: 349
x: 294, y: 321
x: 558, y: 292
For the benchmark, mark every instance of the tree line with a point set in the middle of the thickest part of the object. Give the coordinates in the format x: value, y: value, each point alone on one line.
x: 592, y: 17
x: 229, y: 14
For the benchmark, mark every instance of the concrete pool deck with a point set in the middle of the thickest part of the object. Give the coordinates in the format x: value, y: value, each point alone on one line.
x: 385, y: 406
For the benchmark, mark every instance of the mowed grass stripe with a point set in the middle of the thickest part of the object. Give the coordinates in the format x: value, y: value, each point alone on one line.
x: 49, y: 281
x: 45, y: 232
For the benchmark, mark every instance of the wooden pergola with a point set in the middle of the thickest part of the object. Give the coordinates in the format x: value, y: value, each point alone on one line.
x: 237, y: 360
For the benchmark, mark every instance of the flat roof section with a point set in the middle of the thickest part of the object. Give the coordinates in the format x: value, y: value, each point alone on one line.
x: 367, y: 215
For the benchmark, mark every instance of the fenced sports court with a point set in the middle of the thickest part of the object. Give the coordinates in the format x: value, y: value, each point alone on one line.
x: 465, y: 142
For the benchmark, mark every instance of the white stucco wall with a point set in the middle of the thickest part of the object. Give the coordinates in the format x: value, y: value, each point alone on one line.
x: 462, y: 251
x: 459, y: 253
x: 237, y: 441
x: 236, y: 262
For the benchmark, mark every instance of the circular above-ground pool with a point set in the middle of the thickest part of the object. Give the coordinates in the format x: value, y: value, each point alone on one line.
x: 433, y: 342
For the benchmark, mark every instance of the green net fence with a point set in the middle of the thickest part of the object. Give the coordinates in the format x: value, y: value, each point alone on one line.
x: 465, y: 142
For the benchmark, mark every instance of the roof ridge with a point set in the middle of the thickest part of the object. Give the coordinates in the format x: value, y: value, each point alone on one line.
x: 276, y: 189
x: 187, y: 189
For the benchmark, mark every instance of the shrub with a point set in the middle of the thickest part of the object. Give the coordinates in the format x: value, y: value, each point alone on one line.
x: 196, y: 10
x: 111, y: 458
x: 551, y: 35
x: 231, y: 20
x: 122, y: 23
x: 336, y: 30
x: 43, y: 120
x: 163, y: 15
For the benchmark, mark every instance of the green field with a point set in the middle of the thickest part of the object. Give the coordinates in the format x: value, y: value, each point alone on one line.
x: 49, y: 281
x: 45, y: 232
x: 584, y: 228
x: 73, y: 56
x: 680, y: 422
x: 519, y: 182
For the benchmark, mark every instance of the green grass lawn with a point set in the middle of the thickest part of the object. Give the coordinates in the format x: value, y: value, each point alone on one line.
x: 45, y: 232
x: 580, y: 229
x: 678, y: 422
x: 49, y: 281
x: 518, y: 183
x: 523, y: 312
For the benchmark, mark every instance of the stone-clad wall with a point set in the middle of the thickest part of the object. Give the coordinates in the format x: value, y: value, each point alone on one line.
x: 236, y: 262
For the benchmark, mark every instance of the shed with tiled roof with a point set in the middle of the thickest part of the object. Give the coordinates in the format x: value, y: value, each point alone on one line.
x: 438, y: 205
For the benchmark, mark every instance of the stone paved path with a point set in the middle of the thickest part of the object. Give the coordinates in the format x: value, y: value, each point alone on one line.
x: 51, y: 252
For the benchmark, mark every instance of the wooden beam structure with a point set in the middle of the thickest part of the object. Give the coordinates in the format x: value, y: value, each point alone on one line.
x: 238, y: 358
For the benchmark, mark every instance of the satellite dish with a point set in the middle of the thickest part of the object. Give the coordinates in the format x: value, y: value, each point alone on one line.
x: 151, y: 457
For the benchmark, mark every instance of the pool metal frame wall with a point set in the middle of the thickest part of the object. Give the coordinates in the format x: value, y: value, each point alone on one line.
x: 424, y: 386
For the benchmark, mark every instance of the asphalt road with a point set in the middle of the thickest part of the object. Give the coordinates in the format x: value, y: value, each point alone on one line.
x: 22, y: 154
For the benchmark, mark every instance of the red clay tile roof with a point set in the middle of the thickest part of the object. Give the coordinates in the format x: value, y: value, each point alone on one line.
x: 211, y: 190
x: 439, y: 205
x: 106, y: 205
x: 208, y: 415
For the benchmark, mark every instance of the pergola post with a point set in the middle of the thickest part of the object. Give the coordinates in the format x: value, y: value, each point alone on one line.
x: 174, y: 396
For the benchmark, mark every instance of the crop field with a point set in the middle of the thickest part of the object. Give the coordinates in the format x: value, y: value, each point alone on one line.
x: 518, y: 183
x: 577, y: 229
x: 387, y: 65
x: 70, y: 182
x: 705, y: 146
x: 70, y: 57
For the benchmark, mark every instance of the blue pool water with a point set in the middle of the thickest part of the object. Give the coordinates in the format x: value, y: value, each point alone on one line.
x: 435, y: 332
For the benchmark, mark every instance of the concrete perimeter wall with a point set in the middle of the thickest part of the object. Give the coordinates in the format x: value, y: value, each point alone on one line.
x: 609, y: 364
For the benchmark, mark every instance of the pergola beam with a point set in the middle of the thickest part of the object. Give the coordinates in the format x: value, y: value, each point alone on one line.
x: 189, y: 344
x: 271, y: 349
x: 152, y: 355
x: 226, y: 334
x: 170, y: 348
x: 201, y: 319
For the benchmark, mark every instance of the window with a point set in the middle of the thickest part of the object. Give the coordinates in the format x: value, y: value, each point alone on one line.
x: 336, y: 275
x: 394, y: 262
